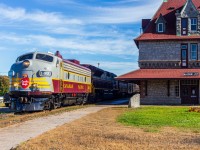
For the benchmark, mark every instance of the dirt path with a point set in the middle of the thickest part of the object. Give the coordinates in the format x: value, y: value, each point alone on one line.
x: 13, y: 135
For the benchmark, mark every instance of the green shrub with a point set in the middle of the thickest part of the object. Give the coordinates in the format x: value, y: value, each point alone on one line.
x: 4, y: 85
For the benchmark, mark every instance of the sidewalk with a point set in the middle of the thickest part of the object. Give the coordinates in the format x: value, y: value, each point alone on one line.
x: 13, y: 135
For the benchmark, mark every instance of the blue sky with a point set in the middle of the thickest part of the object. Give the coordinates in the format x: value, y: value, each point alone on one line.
x: 91, y: 31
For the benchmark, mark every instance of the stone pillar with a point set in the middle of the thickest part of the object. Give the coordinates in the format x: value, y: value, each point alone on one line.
x: 178, y: 24
x: 134, y: 101
x: 198, y: 28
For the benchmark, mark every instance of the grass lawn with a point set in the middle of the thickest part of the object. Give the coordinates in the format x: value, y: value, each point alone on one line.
x: 154, y: 117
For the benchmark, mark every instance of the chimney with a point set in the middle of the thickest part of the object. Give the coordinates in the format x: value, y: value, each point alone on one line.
x: 145, y: 23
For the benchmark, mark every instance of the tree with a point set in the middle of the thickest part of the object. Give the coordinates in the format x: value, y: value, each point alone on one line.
x: 4, y: 85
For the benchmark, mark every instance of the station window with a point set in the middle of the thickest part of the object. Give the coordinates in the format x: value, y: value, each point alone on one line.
x: 193, y: 24
x: 177, y: 91
x: 193, y: 51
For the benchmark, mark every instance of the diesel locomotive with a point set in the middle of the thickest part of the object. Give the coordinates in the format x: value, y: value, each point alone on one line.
x: 40, y: 81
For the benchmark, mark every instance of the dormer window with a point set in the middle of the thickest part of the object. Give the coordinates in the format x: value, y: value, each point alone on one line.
x: 160, y: 27
x: 193, y: 24
x: 160, y: 24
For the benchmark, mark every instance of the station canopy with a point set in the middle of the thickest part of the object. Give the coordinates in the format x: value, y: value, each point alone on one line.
x: 144, y: 74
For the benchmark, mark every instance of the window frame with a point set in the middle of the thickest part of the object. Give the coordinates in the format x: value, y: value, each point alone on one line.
x: 184, y: 61
x: 184, y: 30
x: 29, y: 56
x: 162, y: 25
x: 192, y: 24
x: 177, y: 91
x: 193, y: 52
x: 44, y: 57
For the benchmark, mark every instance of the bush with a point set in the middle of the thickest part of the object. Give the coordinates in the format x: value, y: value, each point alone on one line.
x: 4, y: 85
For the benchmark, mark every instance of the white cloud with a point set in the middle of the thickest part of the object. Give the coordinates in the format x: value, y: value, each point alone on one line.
x: 117, y: 46
x: 13, y: 38
x: 122, y: 2
x: 12, y: 13
x: 121, y: 15
x: 53, y: 2
x: 90, y: 14
x: 84, y: 46
x: 20, y: 14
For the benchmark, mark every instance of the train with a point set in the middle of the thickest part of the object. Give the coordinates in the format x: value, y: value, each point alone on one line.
x: 45, y: 81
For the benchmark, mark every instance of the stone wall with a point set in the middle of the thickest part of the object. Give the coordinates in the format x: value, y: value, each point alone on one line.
x: 167, y: 53
x: 157, y: 92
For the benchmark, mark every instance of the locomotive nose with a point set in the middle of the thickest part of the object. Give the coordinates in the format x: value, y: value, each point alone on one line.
x: 20, y: 66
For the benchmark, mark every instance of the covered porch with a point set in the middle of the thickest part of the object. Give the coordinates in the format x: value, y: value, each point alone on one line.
x: 166, y: 86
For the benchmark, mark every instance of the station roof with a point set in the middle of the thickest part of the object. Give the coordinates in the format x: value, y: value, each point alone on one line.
x: 168, y: 10
x: 144, y: 74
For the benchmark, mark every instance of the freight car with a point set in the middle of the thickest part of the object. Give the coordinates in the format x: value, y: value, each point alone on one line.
x: 41, y: 81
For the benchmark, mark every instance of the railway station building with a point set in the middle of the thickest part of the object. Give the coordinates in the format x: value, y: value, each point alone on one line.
x: 169, y: 55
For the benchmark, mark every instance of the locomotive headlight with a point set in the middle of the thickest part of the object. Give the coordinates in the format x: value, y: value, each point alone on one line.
x: 34, y: 85
x: 16, y: 84
x: 26, y: 63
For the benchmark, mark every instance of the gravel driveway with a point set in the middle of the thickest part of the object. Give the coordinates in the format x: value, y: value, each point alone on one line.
x: 13, y: 135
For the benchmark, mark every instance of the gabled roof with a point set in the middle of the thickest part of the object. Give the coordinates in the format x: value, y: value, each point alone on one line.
x: 143, y: 74
x: 161, y: 18
x: 168, y: 10
x: 189, y: 4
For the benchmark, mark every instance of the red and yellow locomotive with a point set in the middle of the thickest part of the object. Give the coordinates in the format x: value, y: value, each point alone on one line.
x: 41, y: 81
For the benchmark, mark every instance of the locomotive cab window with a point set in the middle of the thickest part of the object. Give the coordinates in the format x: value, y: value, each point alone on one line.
x: 24, y: 57
x: 44, y: 57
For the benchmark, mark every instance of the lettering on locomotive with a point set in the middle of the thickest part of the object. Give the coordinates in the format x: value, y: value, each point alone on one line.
x: 45, y: 73
x: 80, y: 87
x: 68, y: 86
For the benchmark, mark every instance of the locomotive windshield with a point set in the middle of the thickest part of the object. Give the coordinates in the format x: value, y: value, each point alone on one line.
x: 44, y: 57
x: 24, y: 57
